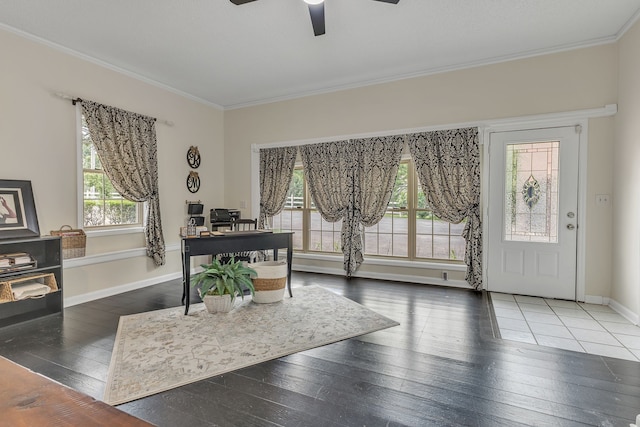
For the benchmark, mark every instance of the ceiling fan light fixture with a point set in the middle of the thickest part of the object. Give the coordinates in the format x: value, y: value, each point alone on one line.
x: 316, y: 11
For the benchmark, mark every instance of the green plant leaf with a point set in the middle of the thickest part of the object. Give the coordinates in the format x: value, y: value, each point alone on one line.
x: 218, y: 278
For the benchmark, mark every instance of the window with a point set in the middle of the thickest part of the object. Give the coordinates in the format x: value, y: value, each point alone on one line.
x: 291, y: 217
x: 531, y: 202
x: 102, y: 205
x: 407, y: 231
x: 436, y: 238
x: 390, y: 237
x: 324, y: 236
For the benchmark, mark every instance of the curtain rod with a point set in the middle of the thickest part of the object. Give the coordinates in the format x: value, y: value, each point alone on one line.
x: 75, y: 100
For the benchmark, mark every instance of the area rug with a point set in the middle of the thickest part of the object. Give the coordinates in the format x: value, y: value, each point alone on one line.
x: 160, y: 350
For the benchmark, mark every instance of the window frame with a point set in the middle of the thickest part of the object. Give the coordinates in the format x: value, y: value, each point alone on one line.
x: 112, y: 229
x: 410, y: 210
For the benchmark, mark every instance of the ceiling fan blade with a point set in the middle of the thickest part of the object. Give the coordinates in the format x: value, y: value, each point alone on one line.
x: 317, y: 18
x: 389, y: 1
x: 239, y: 2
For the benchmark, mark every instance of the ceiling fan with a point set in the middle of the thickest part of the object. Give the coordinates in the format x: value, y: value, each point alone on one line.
x: 316, y: 10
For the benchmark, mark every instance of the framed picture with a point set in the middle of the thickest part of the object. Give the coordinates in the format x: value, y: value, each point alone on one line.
x: 17, y: 210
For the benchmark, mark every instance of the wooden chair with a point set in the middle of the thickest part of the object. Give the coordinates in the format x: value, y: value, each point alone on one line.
x: 245, y: 224
x: 242, y: 224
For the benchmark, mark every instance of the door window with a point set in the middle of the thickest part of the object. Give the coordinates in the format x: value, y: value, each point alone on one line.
x: 531, y: 192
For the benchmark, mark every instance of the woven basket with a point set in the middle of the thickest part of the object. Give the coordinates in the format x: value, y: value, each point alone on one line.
x: 6, y: 294
x: 74, y: 241
x: 269, y: 284
x: 218, y: 303
x: 271, y: 280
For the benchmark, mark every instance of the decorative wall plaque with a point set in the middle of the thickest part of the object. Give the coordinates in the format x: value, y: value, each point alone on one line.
x: 193, y: 182
x: 193, y: 157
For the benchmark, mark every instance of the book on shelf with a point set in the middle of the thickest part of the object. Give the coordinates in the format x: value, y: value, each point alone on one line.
x: 17, y: 258
x: 16, y: 262
x: 21, y: 267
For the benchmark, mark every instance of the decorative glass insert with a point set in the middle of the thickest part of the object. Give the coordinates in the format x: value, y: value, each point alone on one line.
x: 531, y: 192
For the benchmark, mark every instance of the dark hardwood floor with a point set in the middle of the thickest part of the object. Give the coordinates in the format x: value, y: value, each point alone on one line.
x: 441, y: 366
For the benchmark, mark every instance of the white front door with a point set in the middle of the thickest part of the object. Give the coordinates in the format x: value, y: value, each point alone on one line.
x: 532, y: 220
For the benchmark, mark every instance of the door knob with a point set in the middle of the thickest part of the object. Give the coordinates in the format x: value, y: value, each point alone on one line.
x: 571, y: 226
x: 571, y: 214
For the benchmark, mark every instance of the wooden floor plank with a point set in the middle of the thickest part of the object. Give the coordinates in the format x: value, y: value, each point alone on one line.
x: 29, y: 399
x: 441, y: 366
x: 337, y: 414
x: 468, y: 383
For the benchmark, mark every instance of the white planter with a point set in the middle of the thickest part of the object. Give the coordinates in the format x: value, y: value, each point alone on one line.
x: 271, y: 281
x: 218, y: 303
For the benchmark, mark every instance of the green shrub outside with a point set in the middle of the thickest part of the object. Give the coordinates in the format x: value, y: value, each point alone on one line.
x: 110, y: 212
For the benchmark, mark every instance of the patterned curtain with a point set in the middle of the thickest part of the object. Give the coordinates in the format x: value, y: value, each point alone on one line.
x: 276, y: 170
x: 448, y: 166
x: 352, y: 181
x: 328, y: 170
x: 127, y: 148
x: 378, y: 162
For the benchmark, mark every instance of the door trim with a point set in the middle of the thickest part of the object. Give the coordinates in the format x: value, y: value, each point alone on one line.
x: 583, y: 126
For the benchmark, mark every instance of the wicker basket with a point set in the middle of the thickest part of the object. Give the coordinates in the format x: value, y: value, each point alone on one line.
x: 6, y: 293
x: 218, y: 303
x: 271, y: 280
x: 74, y: 241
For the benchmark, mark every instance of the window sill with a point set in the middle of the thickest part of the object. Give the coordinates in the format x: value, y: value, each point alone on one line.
x: 112, y: 256
x: 434, y: 265
x: 113, y: 231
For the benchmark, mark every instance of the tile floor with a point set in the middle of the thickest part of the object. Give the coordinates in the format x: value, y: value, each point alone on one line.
x: 590, y: 328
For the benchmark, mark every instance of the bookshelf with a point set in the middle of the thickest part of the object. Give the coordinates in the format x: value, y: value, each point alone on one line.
x: 46, y: 255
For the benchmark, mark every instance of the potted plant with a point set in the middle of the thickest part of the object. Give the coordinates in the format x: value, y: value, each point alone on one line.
x: 220, y: 282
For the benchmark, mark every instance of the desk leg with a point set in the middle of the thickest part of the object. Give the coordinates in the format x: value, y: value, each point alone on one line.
x: 183, y: 275
x: 289, y: 262
x: 186, y: 279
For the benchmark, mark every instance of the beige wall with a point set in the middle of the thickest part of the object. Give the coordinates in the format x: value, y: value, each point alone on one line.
x: 599, y: 218
x: 626, y: 198
x: 579, y: 79
x: 38, y: 140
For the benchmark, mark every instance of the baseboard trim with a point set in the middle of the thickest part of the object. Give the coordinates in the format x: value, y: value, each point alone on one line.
x: 385, y: 276
x: 104, y: 293
x: 624, y: 311
x: 596, y: 299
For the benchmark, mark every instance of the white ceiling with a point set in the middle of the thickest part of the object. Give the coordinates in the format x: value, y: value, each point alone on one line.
x: 233, y: 56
